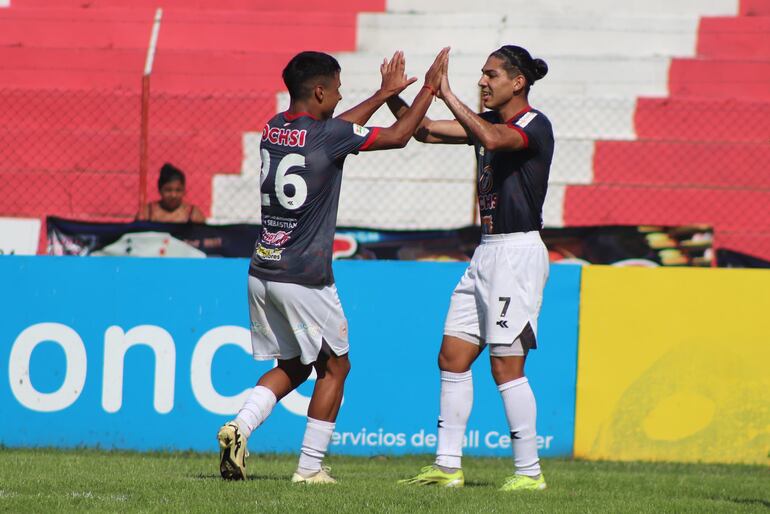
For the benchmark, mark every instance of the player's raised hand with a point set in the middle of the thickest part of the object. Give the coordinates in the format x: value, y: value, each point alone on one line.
x: 434, y: 73
x: 444, y: 89
x: 394, y: 79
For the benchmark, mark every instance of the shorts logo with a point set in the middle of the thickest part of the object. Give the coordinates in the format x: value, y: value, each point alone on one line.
x: 269, y: 254
x: 279, y: 238
x: 359, y: 130
x: 506, y: 301
x: 312, y: 330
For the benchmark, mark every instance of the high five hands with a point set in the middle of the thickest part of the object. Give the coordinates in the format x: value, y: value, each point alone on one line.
x: 394, y: 78
x: 434, y: 75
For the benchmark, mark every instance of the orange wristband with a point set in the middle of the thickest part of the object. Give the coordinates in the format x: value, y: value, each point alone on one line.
x: 429, y: 88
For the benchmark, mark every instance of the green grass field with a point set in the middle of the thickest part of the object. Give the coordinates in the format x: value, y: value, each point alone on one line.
x: 55, y: 481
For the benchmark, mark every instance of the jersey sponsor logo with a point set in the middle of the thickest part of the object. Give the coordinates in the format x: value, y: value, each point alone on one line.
x: 287, y: 224
x: 268, y: 254
x: 359, y: 130
x: 524, y: 120
x: 485, y: 180
x: 284, y: 136
x: 279, y: 238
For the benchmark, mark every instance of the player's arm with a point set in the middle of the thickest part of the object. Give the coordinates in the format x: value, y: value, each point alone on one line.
x: 394, y: 80
x: 492, y: 136
x: 431, y: 131
x: 398, y: 134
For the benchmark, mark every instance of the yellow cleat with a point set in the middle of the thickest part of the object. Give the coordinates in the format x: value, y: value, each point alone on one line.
x: 523, y: 483
x: 322, y: 476
x: 232, y: 452
x: 431, y: 475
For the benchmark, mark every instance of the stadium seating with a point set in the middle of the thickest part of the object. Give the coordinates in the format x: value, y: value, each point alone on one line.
x: 660, y: 108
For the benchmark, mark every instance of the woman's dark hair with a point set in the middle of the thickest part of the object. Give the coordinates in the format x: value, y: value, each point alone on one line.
x: 170, y: 173
x: 517, y: 60
x: 304, y: 68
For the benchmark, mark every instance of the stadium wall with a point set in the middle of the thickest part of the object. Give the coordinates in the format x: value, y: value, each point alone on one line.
x: 111, y: 352
x: 155, y: 354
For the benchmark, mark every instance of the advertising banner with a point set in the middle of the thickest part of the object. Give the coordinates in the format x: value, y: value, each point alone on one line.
x: 673, y: 365
x: 155, y: 354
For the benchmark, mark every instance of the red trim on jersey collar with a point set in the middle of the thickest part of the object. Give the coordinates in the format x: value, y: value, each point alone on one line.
x: 369, y: 140
x: 291, y: 117
x: 523, y: 111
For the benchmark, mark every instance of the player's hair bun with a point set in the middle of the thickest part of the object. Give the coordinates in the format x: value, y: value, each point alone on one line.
x: 539, y: 68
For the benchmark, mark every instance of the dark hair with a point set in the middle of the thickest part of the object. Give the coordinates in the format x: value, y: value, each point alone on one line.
x: 303, y: 68
x: 170, y: 173
x: 517, y: 60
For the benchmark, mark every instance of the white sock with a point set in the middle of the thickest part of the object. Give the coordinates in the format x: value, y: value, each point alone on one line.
x: 454, y: 411
x: 317, y: 436
x: 521, y: 411
x: 255, y: 410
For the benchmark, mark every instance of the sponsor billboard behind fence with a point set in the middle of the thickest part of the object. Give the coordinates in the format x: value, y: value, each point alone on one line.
x: 155, y: 354
x: 674, y: 365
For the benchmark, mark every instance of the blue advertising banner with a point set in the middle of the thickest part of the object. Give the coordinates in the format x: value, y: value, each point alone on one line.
x: 155, y: 354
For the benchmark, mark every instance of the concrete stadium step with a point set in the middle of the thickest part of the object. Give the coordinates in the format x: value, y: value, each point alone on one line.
x: 182, y: 71
x: 567, y: 7
x: 547, y: 35
x: 668, y: 164
x: 82, y: 195
x: 727, y: 209
x: 181, y: 30
x: 213, y: 5
x: 755, y: 8
x: 592, y: 76
x: 75, y: 150
x: 686, y: 119
x: 741, y: 213
x: 746, y: 37
x: 711, y: 78
x: 110, y: 111
x: 576, y: 117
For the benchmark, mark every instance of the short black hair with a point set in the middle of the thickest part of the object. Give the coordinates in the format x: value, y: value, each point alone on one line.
x: 170, y: 173
x: 306, y: 67
x: 517, y: 60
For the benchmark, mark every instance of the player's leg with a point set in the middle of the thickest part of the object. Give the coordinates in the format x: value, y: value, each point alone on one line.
x: 460, y: 347
x: 518, y: 271
x: 271, y: 338
x: 507, y: 363
x: 332, y: 370
x: 320, y: 329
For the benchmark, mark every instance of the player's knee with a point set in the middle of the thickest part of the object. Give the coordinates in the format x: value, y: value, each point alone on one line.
x: 452, y: 363
x: 297, y: 372
x: 505, y: 369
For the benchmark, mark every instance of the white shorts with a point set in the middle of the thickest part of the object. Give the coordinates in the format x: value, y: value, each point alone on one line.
x: 497, y: 301
x: 293, y: 320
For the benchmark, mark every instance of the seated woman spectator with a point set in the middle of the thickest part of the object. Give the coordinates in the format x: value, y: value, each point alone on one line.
x: 171, y: 207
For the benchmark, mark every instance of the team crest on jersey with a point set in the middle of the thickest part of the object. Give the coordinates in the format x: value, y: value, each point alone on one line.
x: 359, y: 130
x: 485, y: 180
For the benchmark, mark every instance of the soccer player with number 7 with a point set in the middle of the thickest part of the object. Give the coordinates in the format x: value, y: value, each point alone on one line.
x: 497, y: 301
x: 296, y: 315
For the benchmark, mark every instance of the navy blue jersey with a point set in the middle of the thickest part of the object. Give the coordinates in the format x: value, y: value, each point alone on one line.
x: 302, y: 160
x: 512, y: 183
